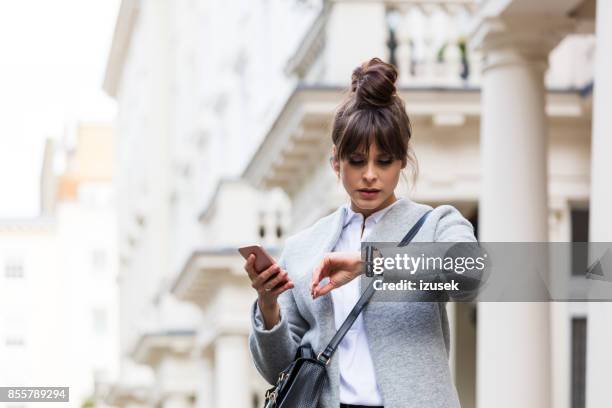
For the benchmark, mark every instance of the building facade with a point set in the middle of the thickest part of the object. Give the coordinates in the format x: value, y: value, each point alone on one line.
x: 58, y: 296
x: 212, y: 92
x: 194, y: 99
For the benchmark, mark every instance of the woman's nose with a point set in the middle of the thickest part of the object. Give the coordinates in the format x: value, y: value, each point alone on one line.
x: 370, y: 172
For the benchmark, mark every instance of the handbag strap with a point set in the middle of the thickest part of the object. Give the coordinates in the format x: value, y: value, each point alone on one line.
x: 367, y: 294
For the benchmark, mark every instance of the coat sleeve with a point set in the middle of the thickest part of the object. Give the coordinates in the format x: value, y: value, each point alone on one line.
x: 454, y: 240
x: 274, y: 349
x: 453, y: 227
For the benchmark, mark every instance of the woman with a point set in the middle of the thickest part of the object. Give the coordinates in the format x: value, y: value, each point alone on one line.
x: 396, y: 353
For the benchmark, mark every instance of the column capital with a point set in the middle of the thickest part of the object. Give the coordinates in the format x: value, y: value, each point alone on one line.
x: 518, y: 39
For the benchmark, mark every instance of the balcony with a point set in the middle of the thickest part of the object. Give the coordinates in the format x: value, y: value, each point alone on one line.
x: 427, y: 42
x: 425, y: 39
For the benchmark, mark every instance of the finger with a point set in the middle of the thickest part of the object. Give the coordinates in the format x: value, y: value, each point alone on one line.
x: 278, y: 291
x: 320, y: 272
x: 325, y: 289
x: 316, y: 278
x: 265, y: 275
x: 260, y: 281
x: 249, y: 266
x: 272, y: 283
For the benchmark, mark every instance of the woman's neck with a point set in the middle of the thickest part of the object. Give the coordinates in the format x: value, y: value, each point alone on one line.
x: 367, y: 212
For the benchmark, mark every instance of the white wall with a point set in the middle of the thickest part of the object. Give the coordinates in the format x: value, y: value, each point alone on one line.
x: 87, y: 236
x: 201, y: 83
x: 65, y: 308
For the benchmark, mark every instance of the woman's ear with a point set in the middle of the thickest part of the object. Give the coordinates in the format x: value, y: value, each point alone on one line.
x: 333, y: 160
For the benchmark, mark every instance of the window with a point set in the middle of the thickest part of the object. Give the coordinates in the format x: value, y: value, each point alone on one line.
x: 14, y: 341
x: 578, y: 358
x: 580, y: 233
x: 262, y: 225
x: 15, y: 328
x: 279, y: 221
x: 98, y: 259
x: 99, y: 321
x: 101, y: 375
x: 474, y: 221
x: 13, y: 268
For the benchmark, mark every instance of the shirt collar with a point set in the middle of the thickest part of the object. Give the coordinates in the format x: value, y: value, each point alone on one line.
x: 349, y: 214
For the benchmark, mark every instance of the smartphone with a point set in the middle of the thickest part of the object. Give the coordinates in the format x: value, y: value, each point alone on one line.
x: 263, y: 260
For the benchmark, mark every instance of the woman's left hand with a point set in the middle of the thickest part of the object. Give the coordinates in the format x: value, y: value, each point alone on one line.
x: 339, y: 267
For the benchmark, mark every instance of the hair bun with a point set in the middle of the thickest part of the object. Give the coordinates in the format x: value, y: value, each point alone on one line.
x: 374, y: 83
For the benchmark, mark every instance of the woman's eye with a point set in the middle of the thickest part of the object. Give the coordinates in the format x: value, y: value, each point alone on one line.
x: 385, y: 162
x: 355, y: 161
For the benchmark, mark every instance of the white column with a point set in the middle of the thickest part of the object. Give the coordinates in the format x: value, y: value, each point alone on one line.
x: 356, y: 32
x: 513, y: 361
x: 599, y: 320
x: 205, y: 391
x: 403, y: 51
x: 232, y: 385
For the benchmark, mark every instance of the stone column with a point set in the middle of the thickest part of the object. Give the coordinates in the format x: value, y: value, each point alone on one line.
x: 232, y: 385
x: 513, y: 356
x: 599, y: 320
x: 205, y: 392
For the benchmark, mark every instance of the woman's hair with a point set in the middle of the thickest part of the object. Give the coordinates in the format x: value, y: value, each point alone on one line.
x: 373, y: 112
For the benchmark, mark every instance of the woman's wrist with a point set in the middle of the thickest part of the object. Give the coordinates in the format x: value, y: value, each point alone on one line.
x: 270, y: 312
x: 266, y: 304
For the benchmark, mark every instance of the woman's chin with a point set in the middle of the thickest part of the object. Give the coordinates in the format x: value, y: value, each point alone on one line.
x: 365, y: 204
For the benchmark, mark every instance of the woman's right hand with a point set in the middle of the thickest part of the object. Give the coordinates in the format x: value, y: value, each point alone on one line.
x: 269, y: 283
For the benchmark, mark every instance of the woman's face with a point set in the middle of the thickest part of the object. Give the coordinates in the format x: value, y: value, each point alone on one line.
x: 369, y: 180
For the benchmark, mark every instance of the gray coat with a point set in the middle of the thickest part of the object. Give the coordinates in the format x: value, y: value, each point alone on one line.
x: 409, y: 341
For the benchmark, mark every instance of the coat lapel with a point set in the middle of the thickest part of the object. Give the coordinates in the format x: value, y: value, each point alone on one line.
x: 323, y: 306
x: 391, y: 228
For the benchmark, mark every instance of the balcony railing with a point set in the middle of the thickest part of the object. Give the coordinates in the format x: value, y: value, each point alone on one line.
x: 427, y: 41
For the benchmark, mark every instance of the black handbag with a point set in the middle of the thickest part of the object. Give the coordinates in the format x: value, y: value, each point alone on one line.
x: 300, y: 384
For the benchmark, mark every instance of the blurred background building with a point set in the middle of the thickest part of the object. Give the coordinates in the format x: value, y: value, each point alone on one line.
x: 223, y: 139
x: 58, y: 297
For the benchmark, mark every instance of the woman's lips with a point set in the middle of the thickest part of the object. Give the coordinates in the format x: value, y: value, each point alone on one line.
x: 368, y: 194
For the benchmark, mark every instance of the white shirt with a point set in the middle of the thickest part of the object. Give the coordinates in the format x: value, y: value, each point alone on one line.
x: 357, y: 379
